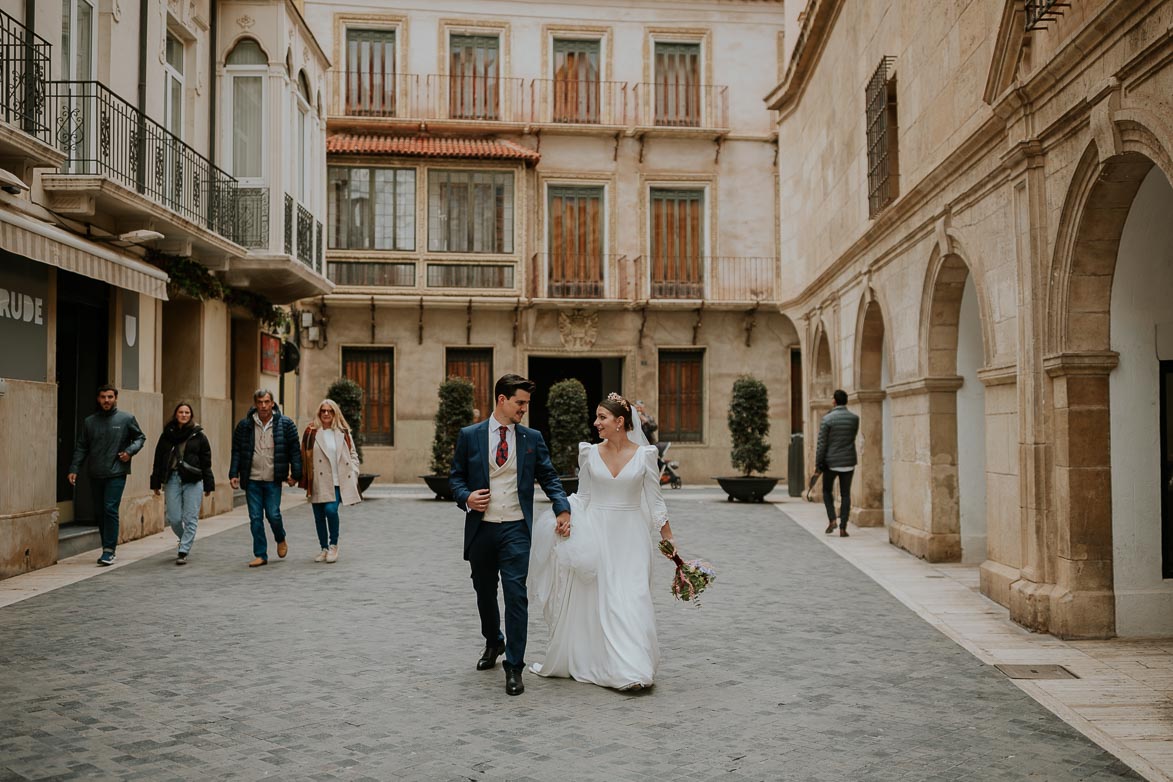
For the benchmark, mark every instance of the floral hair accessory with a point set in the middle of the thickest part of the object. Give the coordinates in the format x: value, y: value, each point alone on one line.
x: 613, y: 397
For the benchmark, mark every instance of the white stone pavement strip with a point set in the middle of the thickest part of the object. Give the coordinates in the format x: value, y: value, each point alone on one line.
x: 82, y: 566
x: 1123, y: 698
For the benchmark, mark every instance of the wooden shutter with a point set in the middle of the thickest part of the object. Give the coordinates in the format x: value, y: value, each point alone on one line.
x: 576, y: 81
x: 373, y: 370
x: 678, y: 84
x: 681, y: 395
x: 677, y: 243
x: 474, y: 89
x: 576, y: 242
x: 370, y: 73
x: 476, y: 366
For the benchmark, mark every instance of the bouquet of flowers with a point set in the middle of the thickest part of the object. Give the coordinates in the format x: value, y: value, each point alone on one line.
x: 691, y: 578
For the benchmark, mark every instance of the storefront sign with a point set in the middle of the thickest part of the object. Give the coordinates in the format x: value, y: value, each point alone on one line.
x: 130, y: 340
x: 270, y: 355
x: 24, y: 331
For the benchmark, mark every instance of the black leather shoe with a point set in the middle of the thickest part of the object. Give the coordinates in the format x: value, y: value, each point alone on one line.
x: 513, y: 685
x: 490, y: 655
x: 831, y: 526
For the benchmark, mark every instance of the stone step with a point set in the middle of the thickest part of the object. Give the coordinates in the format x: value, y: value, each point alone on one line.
x: 76, y: 538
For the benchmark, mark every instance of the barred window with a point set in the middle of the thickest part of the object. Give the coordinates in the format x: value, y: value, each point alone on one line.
x: 374, y: 370
x: 681, y: 396
x: 476, y: 366
x: 470, y: 211
x: 883, y: 150
x: 372, y: 208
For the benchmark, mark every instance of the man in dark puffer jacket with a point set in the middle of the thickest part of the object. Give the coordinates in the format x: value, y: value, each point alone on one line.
x: 835, y: 458
x: 265, y: 451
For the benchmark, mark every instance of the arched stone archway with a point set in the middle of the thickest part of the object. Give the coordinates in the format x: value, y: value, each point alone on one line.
x: 1109, y: 349
x: 873, y: 478
x: 820, y: 386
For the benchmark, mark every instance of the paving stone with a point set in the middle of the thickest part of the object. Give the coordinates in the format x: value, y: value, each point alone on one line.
x: 797, y: 666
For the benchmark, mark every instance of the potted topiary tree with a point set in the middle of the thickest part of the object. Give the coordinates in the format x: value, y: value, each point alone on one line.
x: 453, y: 414
x: 749, y: 424
x: 349, y: 396
x: 569, y: 426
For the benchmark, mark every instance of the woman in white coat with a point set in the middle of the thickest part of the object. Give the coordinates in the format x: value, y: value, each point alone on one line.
x: 329, y: 474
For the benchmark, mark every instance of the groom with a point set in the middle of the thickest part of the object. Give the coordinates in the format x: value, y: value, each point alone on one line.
x: 492, y: 480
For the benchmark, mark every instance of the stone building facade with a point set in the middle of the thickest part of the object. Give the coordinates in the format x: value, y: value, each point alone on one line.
x: 119, y: 124
x: 975, y: 214
x: 567, y: 190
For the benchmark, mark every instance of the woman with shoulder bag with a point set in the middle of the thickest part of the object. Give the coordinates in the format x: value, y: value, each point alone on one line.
x: 330, y: 474
x: 182, y: 467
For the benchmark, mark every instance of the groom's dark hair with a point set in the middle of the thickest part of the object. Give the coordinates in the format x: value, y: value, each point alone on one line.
x: 511, y: 384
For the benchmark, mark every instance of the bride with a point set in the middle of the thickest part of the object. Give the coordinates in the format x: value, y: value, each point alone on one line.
x: 591, y: 577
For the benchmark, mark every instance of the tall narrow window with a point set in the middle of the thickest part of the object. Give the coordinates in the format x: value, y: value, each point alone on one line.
x: 677, y: 243
x: 476, y: 366
x: 304, y: 137
x: 173, y: 76
x: 370, y: 73
x: 576, y: 242
x: 246, y: 67
x: 470, y: 211
x: 374, y: 370
x: 681, y: 396
x: 883, y: 154
x: 371, y: 208
x: 474, y: 91
x: 78, y: 65
x: 576, y: 81
x: 678, y: 84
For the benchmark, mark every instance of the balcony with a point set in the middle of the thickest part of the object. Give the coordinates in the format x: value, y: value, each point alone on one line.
x: 25, y: 133
x: 297, y: 272
x: 570, y: 275
x: 717, y: 279
x: 122, y: 164
x: 470, y: 102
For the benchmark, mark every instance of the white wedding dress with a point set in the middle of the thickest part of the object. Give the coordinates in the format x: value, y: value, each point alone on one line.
x: 594, y: 587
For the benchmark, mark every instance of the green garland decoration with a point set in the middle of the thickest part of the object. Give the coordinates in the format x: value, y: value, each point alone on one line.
x: 191, y: 278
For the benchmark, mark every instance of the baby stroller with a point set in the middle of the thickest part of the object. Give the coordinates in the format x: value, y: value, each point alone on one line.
x: 668, y: 474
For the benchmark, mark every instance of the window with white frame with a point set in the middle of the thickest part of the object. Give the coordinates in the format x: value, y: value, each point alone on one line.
x: 246, y: 68
x: 371, y: 208
x: 78, y: 55
x: 305, y: 151
x: 470, y: 211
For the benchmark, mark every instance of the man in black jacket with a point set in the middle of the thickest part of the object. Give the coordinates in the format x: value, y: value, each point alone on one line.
x: 265, y: 451
x: 835, y: 458
x: 107, y: 441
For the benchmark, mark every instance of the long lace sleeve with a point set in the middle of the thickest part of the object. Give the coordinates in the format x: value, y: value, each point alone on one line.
x: 584, y: 474
x: 653, y: 499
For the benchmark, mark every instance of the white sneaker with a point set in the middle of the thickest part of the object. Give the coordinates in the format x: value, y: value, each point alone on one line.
x: 321, y: 557
x: 332, y: 555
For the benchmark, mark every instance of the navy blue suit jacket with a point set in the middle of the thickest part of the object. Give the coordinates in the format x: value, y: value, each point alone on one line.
x: 470, y: 471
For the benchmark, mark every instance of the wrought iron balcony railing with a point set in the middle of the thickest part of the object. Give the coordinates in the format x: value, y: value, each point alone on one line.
x: 102, y: 134
x: 572, y: 275
x: 482, y: 98
x: 1039, y: 12
x: 305, y: 236
x: 252, y: 217
x: 24, y: 70
x: 714, y: 278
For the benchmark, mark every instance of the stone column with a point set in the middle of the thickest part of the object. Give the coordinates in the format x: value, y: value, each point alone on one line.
x: 867, y: 491
x: 928, y: 409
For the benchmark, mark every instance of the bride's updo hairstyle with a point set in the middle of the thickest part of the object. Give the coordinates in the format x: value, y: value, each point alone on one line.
x: 618, y: 407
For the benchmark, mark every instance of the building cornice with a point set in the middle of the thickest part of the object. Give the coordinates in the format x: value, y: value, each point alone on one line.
x: 808, y: 49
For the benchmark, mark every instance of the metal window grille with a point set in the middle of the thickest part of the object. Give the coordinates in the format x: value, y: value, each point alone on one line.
x: 305, y: 236
x: 881, y: 122
x: 1040, y: 12
x: 681, y: 396
x: 288, y: 224
x: 373, y: 370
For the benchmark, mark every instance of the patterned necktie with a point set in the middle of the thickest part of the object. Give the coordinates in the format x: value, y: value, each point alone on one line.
x: 503, y: 448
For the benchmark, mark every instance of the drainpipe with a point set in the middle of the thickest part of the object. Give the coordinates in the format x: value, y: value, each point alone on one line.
x: 213, y: 49
x: 144, y: 15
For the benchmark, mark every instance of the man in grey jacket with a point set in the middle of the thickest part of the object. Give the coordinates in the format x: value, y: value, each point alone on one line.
x: 835, y: 458
x: 106, y: 442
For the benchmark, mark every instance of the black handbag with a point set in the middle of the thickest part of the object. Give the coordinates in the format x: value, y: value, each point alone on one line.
x: 188, y: 472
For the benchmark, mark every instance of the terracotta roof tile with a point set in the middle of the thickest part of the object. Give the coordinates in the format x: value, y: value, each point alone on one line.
x: 428, y: 146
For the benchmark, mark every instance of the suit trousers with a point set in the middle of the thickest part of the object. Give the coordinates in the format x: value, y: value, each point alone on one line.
x: 502, y: 548
x: 829, y: 477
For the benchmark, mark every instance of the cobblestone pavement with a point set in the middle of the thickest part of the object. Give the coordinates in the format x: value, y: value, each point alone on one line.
x: 797, y: 667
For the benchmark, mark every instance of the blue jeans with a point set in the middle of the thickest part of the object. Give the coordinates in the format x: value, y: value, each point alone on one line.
x: 182, y: 509
x: 264, y: 499
x: 327, y: 513
x: 107, y: 496
x: 502, y: 548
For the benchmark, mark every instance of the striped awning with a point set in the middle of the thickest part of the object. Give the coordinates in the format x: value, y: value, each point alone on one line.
x: 48, y: 244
